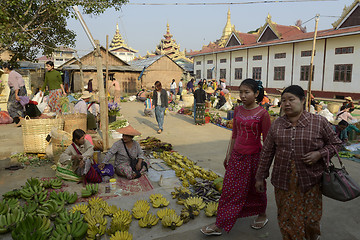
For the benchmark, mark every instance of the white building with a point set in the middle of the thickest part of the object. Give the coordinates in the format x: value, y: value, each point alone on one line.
x: 280, y: 55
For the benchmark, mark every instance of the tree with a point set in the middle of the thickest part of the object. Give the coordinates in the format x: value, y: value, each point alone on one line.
x: 30, y: 27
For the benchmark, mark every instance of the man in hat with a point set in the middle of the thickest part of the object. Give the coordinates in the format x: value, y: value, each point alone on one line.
x: 349, y: 104
x: 130, y: 161
x: 91, y: 110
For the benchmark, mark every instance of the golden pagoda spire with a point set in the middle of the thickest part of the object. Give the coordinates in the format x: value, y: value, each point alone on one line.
x: 228, y: 29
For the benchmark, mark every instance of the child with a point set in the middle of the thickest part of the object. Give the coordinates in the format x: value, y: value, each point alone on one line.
x: 149, y: 108
x: 239, y: 197
x: 340, y: 130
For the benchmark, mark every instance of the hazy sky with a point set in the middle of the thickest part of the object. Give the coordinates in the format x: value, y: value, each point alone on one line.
x: 142, y: 27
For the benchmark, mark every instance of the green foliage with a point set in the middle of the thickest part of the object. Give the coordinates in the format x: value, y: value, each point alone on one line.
x: 30, y: 27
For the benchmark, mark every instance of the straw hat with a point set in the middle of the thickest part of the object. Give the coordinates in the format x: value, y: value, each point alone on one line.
x: 129, y: 130
x: 209, y: 90
x: 86, y: 95
x: 348, y: 98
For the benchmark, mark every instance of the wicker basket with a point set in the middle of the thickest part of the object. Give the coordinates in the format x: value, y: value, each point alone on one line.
x: 75, y: 121
x: 62, y: 141
x: 35, y: 132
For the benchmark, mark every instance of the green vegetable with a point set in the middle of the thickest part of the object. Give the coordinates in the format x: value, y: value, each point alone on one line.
x: 118, y: 124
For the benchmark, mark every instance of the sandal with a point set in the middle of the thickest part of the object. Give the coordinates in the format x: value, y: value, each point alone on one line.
x: 259, y: 224
x: 159, y: 131
x: 208, y: 231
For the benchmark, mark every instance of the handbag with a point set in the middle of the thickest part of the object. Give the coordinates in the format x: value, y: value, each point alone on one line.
x: 134, y: 161
x: 337, y: 183
x: 108, y: 170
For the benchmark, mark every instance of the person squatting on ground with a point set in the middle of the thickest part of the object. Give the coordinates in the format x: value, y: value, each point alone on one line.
x: 160, y: 101
x: 239, y: 197
x: 300, y: 142
x: 199, y: 97
x: 17, y: 89
x: 55, y: 86
x: 126, y: 150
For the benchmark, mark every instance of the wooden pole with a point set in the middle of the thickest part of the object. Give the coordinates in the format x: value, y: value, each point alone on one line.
x: 312, y: 63
x: 81, y: 77
x: 106, y: 86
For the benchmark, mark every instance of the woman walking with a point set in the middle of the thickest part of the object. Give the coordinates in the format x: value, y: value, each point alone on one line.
x: 300, y: 142
x: 56, y: 88
x: 239, y: 197
x: 199, y: 97
x: 17, y: 88
x: 160, y: 101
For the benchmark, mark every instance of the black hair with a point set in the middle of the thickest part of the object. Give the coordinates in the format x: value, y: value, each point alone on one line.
x: 254, y: 86
x: 295, y: 90
x: 8, y: 66
x: 200, y: 84
x: 158, y: 83
x: 77, y: 134
x: 50, y: 63
x: 173, y: 80
x: 344, y: 123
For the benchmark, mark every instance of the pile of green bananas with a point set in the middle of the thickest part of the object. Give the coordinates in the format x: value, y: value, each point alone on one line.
x: 9, y: 219
x: 148, y: 221
x: 64, y: 197
x: 30, y: 208
x: 15, y: 193
x: 35, y: 193
x: 211, y: 209
x: 50, y: 209
x: 121, y: 236
x: 120, y: 221
x: 75, y: 230
x: 158, y: 201
x: 140, y: 209
x: 90, y: 189
x: 52, y: 183
x: 32, y: 227
x: 69, y: 217
x: 172, y: 221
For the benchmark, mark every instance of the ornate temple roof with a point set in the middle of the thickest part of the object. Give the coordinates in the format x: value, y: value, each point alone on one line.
x: 117, y: 42
x: 347, y: 13
x: 228, y: 29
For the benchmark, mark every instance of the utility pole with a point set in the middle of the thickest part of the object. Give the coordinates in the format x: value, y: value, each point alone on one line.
x: 98, y: 60
x: 312, y: 63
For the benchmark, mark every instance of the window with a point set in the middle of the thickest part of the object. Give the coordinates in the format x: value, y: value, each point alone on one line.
x: 342, y: 73
x: 344, y: 50
x: 122, y: 53
x: 257, y: 57
x: 280, y: 55
x: 307, y: 53
x: 198, y: 74
x: 209, y: 74
x: 222, y: 73
x: 305, y: 73
x: 238, y: 73
x: 198, y: 63
x: 279, y: 73
x: 210, y: 61
x: 257, y: 73
x: 223, y: 60
x: 238, y: 59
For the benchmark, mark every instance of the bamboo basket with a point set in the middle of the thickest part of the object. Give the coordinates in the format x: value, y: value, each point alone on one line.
x: 333, y: 107
x: 35, y: 132
x: 75, y: 121
x: 63, y: 140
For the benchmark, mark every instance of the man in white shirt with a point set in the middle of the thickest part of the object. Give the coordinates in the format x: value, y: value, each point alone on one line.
x: 180, y: 88
x: 173, y: 87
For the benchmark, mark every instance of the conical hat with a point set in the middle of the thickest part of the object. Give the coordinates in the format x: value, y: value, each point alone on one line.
x: 348, y: 98
x: 209, y: 90
x: 129, y: 130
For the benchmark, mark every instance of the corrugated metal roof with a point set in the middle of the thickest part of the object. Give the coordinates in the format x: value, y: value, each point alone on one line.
x: 145, y: 62
x: 189, y: 67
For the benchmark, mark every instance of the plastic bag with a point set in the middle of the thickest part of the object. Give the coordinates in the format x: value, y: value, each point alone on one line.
x: 226, y: 107
x: 5, y: 118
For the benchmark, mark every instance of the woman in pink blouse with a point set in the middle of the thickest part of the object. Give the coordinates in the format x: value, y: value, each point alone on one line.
x: 300, y: 142
x: 239, y: 197
x: 17, y: 88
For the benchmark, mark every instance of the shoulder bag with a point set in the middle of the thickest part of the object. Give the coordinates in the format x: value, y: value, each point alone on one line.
x: 134, y: 161
x: 337, y: 183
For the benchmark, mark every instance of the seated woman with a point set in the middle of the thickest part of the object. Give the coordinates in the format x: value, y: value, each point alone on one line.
x: 78, y: 157
x: 125, y: 151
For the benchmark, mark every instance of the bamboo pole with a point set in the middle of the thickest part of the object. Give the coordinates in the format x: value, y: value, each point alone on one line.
x: 106, y: 146
x: 312, y: 63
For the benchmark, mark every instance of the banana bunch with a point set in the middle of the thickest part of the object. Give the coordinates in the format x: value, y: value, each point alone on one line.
x: 31, y: 182
x: 90, y: 190
x: 4, y: 207
x: 163, y: 212
x: 69, y: 217
x: 158, y: 201
x: 189, y: 213
x: 97, y: 201
x: 64, y: 197
x: 121, y: 236
x: 172, y: 221
x: 76, y: 230
x: 10, y: 219
x: 148, y: 221
x: 211, y: 209
x: 194, y: 202
x: 94, y: 232
x: 30, y: 208
x: 56, y: 183
x: 12, y: 194
x: 34, y: 192
x: 185, y: 183
x: 120, y: 222
x: 95, y: 218
x: 181, y: 193
x: 32, y: 227
x: 46, y: 183
x: 13, y: 203
x: 50, y: 209
x: 155, y: 196
x: 140, y: 209
x: 83, y: 208
x: 111, y: 210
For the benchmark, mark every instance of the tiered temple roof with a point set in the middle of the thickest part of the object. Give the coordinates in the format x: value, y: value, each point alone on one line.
x: 118, y: 43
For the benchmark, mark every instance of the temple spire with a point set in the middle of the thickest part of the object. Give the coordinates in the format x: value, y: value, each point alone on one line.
x: 228, y: 29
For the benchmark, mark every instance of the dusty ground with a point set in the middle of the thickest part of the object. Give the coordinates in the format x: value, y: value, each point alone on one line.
x: 206, y: 145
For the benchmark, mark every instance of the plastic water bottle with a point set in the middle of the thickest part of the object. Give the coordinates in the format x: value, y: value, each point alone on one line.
x: 113, y: 184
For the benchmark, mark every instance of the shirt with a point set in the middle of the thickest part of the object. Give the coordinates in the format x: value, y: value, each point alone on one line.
x: 200, y: 95
x: 121, y: 156
x: 173, y: 85
x: 344, y: 116
x: 52, y: 80
x: 341, y: 134
x: 15, y: 80
x: 81, y: 107
x: 87, y: 151
x: 180, y: 84
x: 284, y: 142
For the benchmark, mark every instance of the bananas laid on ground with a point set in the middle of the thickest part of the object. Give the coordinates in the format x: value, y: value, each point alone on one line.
x: 140, y: 209
x: 83, y: 208
x: 160, y: 202
x: 121, y: 236
x: 111, y: 210
x: 13, y: 203
x: 12, y: 194
x: 46, y: 183
x: 90, y: 190
x: 56, y: 183
x: 172, y: 221
x: 155, y: 196
x: 95, y: 218
x: 4, y: 207
x: 10, y: 219
x: 85, y: 193
x: 31, y: 182
x: 76, y: 230
x: 194, y: 202
x: 189, y: 213
x: 94, y: 232
x: 30, y: 208
x: 69, y: 217
x: 35, y: 193
x: 211, y: 209
x: 181, y: 194
x: 50, y: 209
x: 64, y: 197
x: 163, y: 212
x: 120, y: 222
x: 148, y: 221
x: 32, y: 227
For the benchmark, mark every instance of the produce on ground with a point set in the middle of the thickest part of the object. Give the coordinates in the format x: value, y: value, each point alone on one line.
x: 154, y: 144
x: 118, y: 124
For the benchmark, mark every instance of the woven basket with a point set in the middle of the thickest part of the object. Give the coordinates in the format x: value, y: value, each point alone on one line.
x: 62, y: 142
x: 35, y: 132
x: 75, y: 121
